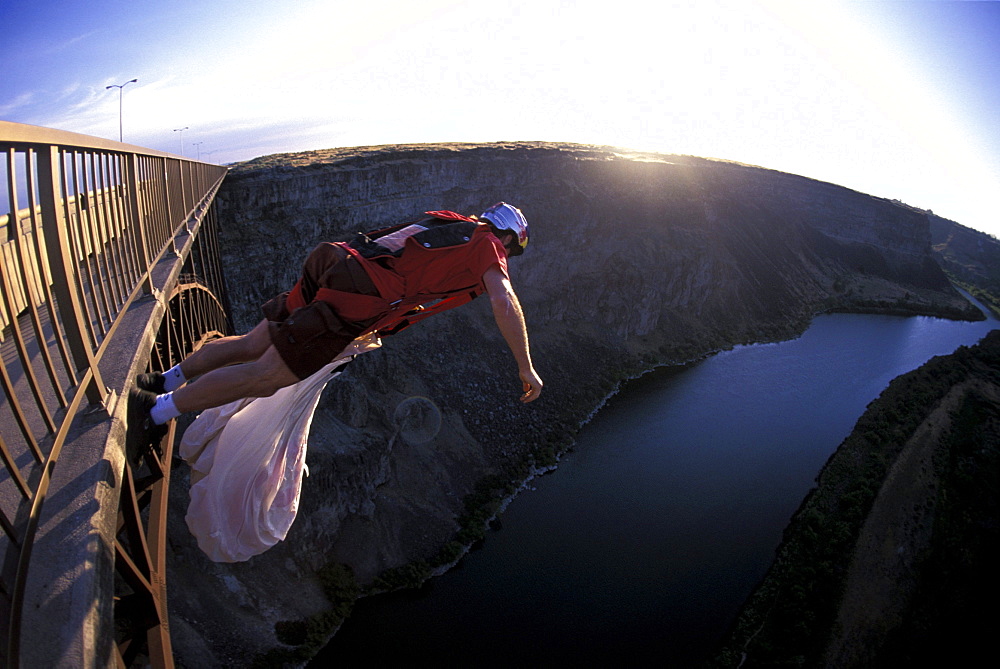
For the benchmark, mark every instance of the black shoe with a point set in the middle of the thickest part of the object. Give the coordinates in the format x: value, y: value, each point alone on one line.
x: 153, y: 382
x: 143, y: 433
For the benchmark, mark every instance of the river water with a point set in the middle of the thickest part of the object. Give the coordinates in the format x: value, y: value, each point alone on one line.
x: 640, y: 548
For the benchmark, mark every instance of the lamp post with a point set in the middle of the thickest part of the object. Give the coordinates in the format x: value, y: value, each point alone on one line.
x: 198, y: 144
x: 120, y: 87
x: 181, y: 137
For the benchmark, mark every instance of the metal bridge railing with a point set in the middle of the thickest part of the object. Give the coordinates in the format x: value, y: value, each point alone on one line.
x: 87, y: 221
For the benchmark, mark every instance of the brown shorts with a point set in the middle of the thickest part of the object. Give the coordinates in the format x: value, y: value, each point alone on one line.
x: 309, y: 338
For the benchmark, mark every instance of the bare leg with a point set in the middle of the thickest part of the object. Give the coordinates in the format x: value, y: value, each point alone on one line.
x: 259, y: 378
x: 227, y: 351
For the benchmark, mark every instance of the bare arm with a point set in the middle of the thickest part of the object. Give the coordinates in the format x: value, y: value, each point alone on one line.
x: 510, y: 320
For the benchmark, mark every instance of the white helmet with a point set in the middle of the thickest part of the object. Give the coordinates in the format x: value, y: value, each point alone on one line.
x: 508, y: 217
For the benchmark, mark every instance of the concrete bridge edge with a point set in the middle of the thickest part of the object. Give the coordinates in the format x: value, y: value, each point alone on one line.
x: 68, y: 615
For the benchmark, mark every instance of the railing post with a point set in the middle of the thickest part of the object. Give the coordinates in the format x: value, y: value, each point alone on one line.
x: 62, y: 265
x: 168, y: 201
x: 132, y: 177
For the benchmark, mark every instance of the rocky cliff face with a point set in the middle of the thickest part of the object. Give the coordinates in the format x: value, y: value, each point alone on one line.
x: 970, y: 257
x: 635, y: 260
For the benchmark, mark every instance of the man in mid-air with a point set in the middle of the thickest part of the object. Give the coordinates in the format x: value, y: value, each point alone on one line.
x: 378, y: 282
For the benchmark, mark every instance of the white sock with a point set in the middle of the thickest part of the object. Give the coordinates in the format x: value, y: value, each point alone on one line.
x: 173, y: 378
x: 164, y: 409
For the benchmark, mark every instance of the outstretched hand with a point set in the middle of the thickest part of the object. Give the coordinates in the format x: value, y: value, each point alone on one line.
x: 532, y: 385
x: 510, y: 320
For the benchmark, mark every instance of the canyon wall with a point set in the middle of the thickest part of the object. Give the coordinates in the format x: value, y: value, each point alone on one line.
x: 969, y: 257
x: 635, y: 260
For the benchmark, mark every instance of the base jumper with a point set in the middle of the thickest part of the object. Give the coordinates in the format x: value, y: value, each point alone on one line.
x: 381, y: 282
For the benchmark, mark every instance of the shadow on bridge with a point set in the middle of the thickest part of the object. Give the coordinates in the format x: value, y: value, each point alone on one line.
x: 108, y: 268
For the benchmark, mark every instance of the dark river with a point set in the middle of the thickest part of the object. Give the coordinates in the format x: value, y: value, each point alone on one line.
x: 640, y: 548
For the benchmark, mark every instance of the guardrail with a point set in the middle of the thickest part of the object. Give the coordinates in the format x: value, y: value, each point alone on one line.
x: 87, y: 222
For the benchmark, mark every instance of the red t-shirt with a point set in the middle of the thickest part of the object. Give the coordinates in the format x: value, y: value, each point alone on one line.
x: 423, y: 271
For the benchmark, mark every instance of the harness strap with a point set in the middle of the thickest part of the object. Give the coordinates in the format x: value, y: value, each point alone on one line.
x: 352, y: 307
x: 421, y: 312
x: 295, y: 300
x: 395, y: 316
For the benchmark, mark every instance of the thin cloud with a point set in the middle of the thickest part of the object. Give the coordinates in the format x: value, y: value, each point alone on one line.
x: 23, y: 100
x: 68, y: 44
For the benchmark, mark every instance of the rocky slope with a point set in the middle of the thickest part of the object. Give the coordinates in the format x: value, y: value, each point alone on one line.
x: 971, y: 258
x: 891, y: 560
x: 635, y: 260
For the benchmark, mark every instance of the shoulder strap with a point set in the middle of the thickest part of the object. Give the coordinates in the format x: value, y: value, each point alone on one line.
x: 449, y: 216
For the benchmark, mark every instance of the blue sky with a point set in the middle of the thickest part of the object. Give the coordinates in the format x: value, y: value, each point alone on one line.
x: 897, y: 99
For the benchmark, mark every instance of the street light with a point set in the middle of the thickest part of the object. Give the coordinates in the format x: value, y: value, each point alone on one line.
x: 120, y: 87
x: 198, y: 144
x: 181, y: 137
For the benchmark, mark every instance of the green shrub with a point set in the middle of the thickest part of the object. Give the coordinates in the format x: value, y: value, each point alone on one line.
x: 410, y: 575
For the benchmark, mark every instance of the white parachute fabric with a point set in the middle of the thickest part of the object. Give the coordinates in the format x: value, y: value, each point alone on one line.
x: 247, y: 460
